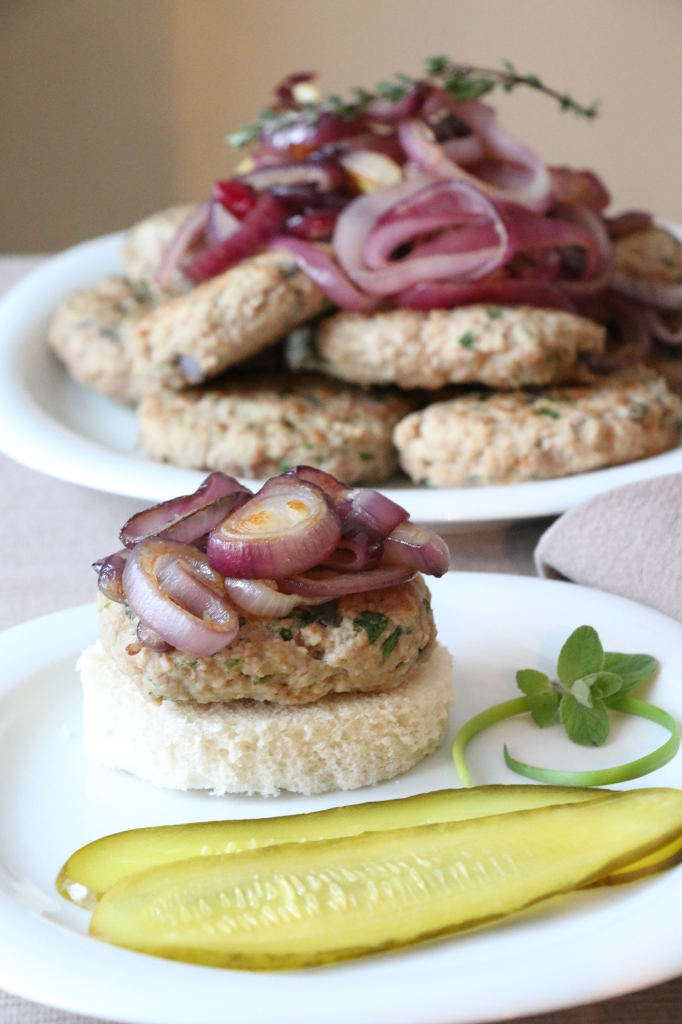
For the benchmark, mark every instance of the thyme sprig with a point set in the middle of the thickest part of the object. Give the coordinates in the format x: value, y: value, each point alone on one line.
x: 464, y: 81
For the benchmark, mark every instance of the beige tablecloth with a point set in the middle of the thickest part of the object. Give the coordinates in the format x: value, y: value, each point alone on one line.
x: 52, y: 531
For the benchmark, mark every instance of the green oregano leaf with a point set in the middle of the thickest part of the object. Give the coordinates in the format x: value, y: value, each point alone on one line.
x: 373, y: 623
x: 543, y: 700
x: 581, y: 692
x: 581, y: 655
x: 603, y: 684
x: 633, y: 669
x: 389, y: 643
x: 587, y: 726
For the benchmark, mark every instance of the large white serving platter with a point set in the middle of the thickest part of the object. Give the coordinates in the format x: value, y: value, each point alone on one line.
x: 53, y: 425
x: 597, y: 945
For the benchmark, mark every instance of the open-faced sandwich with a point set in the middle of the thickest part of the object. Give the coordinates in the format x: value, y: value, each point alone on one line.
x: 282, y: 640
x: 401, y: 239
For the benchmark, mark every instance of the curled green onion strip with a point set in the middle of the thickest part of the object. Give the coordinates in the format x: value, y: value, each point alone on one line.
x: 599, y: 777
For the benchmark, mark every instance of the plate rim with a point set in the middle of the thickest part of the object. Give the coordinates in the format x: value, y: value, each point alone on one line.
x: 414, y: 998
x: 32, y: 436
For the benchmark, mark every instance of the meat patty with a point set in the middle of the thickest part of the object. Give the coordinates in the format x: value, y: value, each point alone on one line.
x: 501, y: 346
x: 145, y: 244
x: 375, y: 641
x: 91, y: 334
x: 224, y: 321
x: 651, y: 255
x: 511, y: 438
x: 258, y: 426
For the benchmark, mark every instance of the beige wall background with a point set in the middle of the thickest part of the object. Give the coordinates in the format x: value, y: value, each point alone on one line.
x: 110, y: 109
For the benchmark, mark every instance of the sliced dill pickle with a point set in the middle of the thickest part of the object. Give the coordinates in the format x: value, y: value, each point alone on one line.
x: 303, y: 904
x: 660, y: 860
x: 94, y: 868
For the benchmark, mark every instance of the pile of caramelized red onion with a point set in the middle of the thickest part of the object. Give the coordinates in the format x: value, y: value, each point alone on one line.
x: 471, y: 215
x: 190, y: 564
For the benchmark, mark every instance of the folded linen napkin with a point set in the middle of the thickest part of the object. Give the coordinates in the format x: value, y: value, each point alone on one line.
x: 627, y: 541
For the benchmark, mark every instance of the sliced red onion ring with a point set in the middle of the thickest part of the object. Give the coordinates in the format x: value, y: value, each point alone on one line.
x: 358, y: 550
x: 446, y: 295
x: 185, y: 519
x: 415, y: 546
x: 521, y: 177
x: 529, y: 231
x: 650, y: 293
x: 325, y: 584
x: 465, y: 203
x: 469, y: 150
x: 635, y: 339
x: 172, y: 589
x: 569, y: 186
x: 596, y: 277
x: 336, y: 490
x: 260, y: 598
x: 327, y: 274
x: 368, y: 509
x: 288, y: 527
x: 221, y: 224
x: 265, y: 220
x: 660, y: 329
x: 628, y: 223
x: 361, y: 509
x: 316, y: 226
x: 148, y: 637
x: 110, y: 575
x: 190, y: 234
x: 324, y: 175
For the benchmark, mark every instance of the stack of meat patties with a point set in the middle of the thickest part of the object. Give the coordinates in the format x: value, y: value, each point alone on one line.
x: 253, y: 371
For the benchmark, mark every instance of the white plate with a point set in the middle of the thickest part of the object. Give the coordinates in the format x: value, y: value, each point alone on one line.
x: 51, y: 802
x: 53, y: 425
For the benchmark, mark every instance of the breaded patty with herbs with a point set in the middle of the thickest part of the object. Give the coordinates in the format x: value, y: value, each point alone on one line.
x: 371, y: 643
x: 224, y: 321
x: 145, y: 243
x: 500, y: 346
x: 511, y: 438
x: 91, y: 334
x: 258, y: 426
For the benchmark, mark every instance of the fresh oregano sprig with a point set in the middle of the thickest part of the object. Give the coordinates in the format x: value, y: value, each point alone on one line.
x: 464, y: 81
x: 590, y: 683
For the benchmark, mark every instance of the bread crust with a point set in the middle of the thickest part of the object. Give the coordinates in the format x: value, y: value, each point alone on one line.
x: 243, y: 746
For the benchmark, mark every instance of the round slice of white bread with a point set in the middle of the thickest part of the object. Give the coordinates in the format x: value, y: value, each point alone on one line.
x: 241, y: 746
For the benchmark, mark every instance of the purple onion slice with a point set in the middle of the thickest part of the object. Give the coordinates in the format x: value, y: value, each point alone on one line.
x: 326, y: 584
x: 148, y: 637
x: 110, y: 575
x: 415, y: 546
x: 358, y: 550
x: 329, y: 484
x: 187, y: 518
x: 287, y: 528
x: 174, y: 591
x: 261, y: 598
x: 369, y: 509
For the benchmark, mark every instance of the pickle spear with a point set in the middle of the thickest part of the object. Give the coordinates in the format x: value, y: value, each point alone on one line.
x: 299, y: 905
x: 93, y: 869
